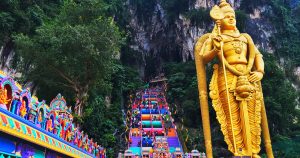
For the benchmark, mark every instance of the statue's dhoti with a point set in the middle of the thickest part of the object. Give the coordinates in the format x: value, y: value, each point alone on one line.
x: 245, y: 108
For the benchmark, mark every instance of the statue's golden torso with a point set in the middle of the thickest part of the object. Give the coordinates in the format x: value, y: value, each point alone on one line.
x: 235, y: 49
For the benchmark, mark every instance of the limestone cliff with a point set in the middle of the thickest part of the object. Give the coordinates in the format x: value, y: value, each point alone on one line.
x: 161, y: 33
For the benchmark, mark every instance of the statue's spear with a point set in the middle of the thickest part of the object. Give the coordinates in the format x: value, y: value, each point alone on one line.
x: 217, y: 14
x: 265, y: 128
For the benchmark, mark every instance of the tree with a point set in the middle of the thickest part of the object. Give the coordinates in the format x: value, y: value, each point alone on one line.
x: 74, y: 51
x: 19, y: 16
x: 280, y: 99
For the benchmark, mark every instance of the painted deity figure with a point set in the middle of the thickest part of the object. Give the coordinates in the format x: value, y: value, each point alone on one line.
x: 49, y: 123
x: 68, y: 136
x: 68, y: 132
x: 23, y: 110
x: 235, y: 87
x: 40, y: 117
x: 80, y: 137
x: 75, y: 136
x: 61, y: 123
x: 3, y: 99
x: 31, y: 117
x: 91, y: 144
x: 97, y: 152
x: 87, y: 143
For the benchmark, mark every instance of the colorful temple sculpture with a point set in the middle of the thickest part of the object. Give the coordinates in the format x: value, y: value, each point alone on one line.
x: 152, y: 133
x: 31, y: 128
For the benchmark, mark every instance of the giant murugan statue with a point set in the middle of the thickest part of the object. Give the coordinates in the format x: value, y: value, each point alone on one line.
x: 235, y: 87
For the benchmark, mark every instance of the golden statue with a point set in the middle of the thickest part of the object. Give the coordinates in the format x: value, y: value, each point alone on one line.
x: 236, y: 94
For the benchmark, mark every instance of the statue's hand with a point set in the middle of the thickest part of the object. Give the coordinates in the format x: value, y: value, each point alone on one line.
x: 217, y: 41
x: 255, y: 76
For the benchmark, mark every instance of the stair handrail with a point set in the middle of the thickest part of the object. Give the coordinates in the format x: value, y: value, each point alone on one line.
x: 141, y: 127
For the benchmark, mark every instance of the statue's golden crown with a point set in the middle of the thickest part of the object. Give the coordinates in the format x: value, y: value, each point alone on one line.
x: 225, y: 7
x: 218, y: 11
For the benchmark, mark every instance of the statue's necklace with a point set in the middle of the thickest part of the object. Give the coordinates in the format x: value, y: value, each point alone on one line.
x: 237, y: 44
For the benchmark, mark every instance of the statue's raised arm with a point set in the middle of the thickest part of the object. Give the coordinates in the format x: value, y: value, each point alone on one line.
x: 235, y: 87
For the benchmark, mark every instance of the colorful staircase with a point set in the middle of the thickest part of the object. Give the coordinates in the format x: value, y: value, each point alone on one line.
x: 151, y: 130
x: 135, y: 141
x: 173, y: 142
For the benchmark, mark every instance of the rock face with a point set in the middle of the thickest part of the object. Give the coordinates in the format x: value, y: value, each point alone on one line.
x: 163, y: 40
x: 157, y: 38
x: 260, y: 28
x: 6, y: 62
x: 294, y: 3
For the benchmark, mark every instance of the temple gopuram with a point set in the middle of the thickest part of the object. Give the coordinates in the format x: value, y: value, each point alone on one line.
x: 31, y: 128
